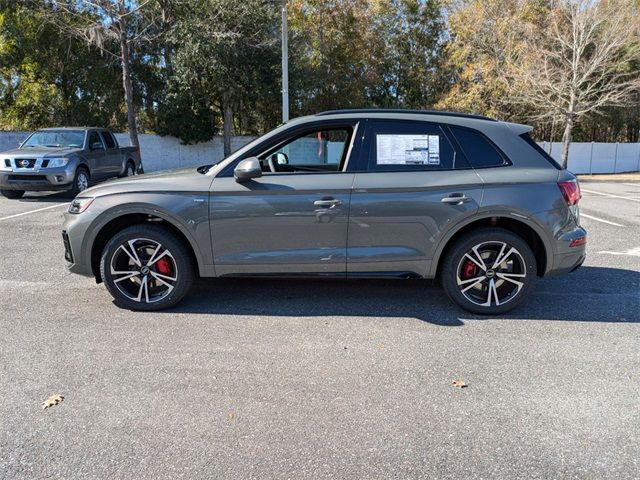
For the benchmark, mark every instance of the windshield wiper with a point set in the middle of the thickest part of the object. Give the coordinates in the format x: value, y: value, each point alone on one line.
x: 54, y: 145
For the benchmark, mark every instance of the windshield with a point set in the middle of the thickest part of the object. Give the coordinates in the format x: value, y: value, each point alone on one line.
x: 55, y: 138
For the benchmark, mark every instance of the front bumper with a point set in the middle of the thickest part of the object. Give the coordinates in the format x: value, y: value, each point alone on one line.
x: 36, y: 180
x: 77, y: 248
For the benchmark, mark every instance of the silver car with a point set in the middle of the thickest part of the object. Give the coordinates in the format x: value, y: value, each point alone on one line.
x: 351, y: 193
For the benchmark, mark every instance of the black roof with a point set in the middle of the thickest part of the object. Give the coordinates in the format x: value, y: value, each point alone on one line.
x: 406, y: 111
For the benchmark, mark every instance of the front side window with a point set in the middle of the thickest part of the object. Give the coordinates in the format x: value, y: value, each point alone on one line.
x: 93, y: 139
x: 322, y: 150
x: 406, y: 146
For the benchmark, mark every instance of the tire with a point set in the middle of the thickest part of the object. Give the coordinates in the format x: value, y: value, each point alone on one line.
x: 12, y: 194
x: 129, y: 169
x: 167, y: 279
x: 80, y: 181
x: 477, y: 284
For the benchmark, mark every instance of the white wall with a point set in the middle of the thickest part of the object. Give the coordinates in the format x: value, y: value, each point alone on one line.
x: 162, y: 153
x: 598, y: 157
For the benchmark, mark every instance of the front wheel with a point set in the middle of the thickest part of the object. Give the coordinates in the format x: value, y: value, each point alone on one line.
x: 146, y: 267
x: 80, y: 181
x: 12, y: 194
x: 489, y: 272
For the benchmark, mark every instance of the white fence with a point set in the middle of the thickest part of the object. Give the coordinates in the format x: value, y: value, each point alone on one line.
x: 598, y: 157
x: 163, y: 153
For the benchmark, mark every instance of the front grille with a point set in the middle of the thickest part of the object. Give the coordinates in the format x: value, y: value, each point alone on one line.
x: 28, y: 178
x: 7, y: 162
x: 68, y: 256
x: 45, y: 163
x: 25, y: 162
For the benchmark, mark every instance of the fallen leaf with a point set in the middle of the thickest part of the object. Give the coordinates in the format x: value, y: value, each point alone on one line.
x: 459, y: 384
x: 52, y: 400
x: 232, y: 415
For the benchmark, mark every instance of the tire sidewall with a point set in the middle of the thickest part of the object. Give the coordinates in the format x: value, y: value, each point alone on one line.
x: 13, y: 194
x: 75, y: 189
x: 168, y: 241
x: 462, y: 246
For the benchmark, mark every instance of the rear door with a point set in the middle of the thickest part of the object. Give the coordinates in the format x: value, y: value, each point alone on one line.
x: 294, y: 218
x: 412, y: 185
x: 113, y: 156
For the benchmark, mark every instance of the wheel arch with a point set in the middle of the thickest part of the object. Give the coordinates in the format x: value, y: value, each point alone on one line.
x: 117, y: 222
x: 528, y: 231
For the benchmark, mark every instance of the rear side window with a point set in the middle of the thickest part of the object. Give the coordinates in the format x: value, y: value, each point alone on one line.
x: 108, y: 139
x: 477, y: 148
x: 527, y: 138
x: 408, y: 146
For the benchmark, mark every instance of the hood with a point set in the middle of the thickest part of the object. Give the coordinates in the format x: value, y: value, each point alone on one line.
x: 39, y: 152
x: 182, y: 180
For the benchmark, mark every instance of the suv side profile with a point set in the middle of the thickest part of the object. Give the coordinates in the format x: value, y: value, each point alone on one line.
x: 351, y: 193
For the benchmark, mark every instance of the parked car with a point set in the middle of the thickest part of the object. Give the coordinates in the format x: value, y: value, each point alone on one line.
x: 65, y: 159
x: 355, y: 193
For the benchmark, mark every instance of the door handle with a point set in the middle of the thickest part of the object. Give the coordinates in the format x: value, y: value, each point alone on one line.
x: 456, y: 199
x: 327, y: 203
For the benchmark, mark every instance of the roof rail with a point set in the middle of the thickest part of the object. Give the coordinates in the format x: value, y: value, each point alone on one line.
x: 400, y: 110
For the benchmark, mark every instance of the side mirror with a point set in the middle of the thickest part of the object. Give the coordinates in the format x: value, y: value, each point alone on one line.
x: 247, y: 169
x: 280, y: 158
x: 96, y: 146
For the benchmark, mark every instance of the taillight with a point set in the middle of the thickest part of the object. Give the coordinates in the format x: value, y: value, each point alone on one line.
x: 570, y: 191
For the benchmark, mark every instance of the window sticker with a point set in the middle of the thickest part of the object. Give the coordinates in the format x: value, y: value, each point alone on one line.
x: 408, y: 149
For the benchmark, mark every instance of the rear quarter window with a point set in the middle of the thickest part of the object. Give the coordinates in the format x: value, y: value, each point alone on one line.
x: 527, y: 138
x: 478, y: 149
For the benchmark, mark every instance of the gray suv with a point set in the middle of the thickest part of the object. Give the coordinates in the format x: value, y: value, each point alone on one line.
x: 351, y: 193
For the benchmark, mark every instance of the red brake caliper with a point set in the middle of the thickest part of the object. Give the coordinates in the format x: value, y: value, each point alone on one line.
x: 163, y: 266
x: 469, y: 270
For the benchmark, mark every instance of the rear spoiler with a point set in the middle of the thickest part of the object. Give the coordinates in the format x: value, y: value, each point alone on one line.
x: 519, y: 128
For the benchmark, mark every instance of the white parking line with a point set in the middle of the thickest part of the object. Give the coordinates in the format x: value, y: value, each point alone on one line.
x: 34, y: 211
x: 634, y: 252
x: 611, y: 195
x: 582, y: 214
x: 632, y: 184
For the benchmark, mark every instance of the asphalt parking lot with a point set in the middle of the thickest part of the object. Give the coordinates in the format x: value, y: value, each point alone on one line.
x: 320, y: 379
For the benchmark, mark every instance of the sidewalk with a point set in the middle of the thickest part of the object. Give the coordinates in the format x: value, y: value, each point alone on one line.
x: 610, y: 177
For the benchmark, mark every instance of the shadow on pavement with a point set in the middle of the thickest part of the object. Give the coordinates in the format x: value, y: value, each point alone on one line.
x: 45, y: 197
x: 592, y: 294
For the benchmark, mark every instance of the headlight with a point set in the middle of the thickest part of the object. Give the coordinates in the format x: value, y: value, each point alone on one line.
x: 57, y: 162
x: 80, y: 204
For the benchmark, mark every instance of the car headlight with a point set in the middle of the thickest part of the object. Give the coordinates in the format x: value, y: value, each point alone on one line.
x: 80, y: 204
x: 57, y: 162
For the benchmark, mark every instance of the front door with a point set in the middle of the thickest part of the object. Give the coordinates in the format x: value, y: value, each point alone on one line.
x: 97, y: 156
x: 412, y: 186
x: 293, y: 219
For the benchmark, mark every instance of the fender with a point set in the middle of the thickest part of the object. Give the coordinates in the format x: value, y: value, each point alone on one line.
x: 204, y: 259
x: 513, y: 213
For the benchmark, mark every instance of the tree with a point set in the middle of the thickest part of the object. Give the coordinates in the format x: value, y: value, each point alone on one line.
x: 47, y: 79
x: 580, y: 63
x: 223, y: 58
x: 112, y: 26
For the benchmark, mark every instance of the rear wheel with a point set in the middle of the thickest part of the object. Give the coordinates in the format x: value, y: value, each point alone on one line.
x: 12, y: 194
x: 130, y: 169
x: 146, y: 267
x: 490, y: 271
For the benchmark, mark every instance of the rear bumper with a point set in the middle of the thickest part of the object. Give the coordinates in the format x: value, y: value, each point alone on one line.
x: 568, y: 258
x: 36, y: 181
